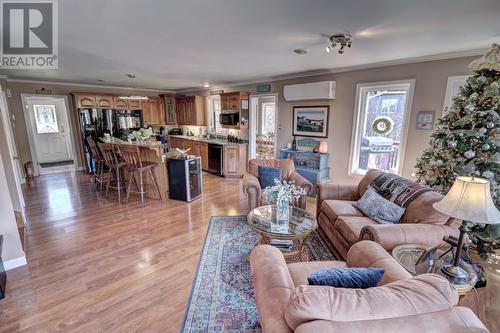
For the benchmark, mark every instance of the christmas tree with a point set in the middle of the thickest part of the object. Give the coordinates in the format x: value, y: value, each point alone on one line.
x: 466, y: 141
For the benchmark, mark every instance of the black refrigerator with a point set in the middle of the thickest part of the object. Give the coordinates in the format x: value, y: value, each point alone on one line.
x: 94, y: 123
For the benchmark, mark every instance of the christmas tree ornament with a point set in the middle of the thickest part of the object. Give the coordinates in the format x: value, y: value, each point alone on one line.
x: 470, y: 154
x: 452, y: 144
x: 485, y: 147
x: 488, y: 174
x: 490, y: 125
x: 483, y: 130
x: 481, y: 79
x: 474, y: 96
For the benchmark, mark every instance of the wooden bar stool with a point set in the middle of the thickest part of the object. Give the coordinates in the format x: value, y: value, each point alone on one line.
x: 99, y: 164
x: 115, y: 166
x: 135, y: 165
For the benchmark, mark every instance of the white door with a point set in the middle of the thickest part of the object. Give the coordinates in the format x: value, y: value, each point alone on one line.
x: 49, y: 128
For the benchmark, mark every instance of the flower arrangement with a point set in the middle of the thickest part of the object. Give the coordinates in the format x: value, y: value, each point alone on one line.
x: 283, y: 191
x: 143, y: 133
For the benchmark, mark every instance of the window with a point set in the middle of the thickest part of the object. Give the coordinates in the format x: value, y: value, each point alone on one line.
x: 46, y: 119
x: 381, y: 119
x: 268, y: 119
x: 214, y: 115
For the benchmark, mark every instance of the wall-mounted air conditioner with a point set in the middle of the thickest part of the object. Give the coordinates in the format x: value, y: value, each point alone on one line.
x: 309, y: 91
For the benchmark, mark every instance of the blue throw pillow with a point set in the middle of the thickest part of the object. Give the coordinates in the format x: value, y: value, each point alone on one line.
x: 268, y: 174
x: 347, y: 277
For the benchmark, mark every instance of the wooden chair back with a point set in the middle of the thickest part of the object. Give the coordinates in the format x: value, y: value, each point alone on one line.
x: 131, y: 155
x: 96, y: 154
x: 109, y: 153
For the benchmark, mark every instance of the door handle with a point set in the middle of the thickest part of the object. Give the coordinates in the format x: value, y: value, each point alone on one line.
x: 15, y: 157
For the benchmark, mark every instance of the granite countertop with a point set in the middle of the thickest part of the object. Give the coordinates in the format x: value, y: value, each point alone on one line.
x: 213, y: 141
x: 116, y: 141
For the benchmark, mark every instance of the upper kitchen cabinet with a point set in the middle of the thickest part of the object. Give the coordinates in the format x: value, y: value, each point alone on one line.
x: 135, y: 104
x: 105, y: 101
x: 85, y: 101
x: 234, y: 101
x: 235, y: 109
x: 120, y: 103
x: 191, y: 110
x: 153, y: 111
x: 169, y: 102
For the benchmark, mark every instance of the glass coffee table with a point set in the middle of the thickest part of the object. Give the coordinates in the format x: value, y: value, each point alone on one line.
x: 291, y: 239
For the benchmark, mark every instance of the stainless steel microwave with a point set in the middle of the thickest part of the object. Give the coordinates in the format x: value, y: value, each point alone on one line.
x: 230, y: 118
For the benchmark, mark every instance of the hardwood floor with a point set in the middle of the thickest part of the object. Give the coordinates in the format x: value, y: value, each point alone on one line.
x: 96, y: 266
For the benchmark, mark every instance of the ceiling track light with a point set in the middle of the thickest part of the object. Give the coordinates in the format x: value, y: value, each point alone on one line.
x: 342, y: 39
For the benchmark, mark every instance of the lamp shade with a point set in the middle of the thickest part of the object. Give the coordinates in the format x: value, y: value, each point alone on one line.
x: 469, y: 199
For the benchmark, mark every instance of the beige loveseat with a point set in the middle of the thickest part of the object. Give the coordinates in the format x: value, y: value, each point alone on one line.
x: 426, y: 303
x: 251, y: 185
x: 345, y: 225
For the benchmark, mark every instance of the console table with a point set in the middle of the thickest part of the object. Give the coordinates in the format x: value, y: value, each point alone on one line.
x: 312, y: 166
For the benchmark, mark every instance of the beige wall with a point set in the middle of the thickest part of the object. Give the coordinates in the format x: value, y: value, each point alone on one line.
x: 17, y: 111
x: 430, y: 87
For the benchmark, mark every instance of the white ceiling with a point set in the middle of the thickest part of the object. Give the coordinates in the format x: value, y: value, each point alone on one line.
x: 180, y: 44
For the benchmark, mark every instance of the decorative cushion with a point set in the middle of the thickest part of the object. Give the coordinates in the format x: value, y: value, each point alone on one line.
x: 267, y: 175
x: 379, y: 209
x: 336, y: 208
x: 299, y: 271
x: 347, y: 277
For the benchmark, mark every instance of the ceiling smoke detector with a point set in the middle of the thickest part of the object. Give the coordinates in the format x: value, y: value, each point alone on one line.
x: 130, y: 75
x: 342, y: 39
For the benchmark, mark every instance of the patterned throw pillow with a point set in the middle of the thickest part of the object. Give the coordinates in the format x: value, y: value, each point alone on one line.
x: 347, y: 277
x: 267, y: 175
x: 379, y: 209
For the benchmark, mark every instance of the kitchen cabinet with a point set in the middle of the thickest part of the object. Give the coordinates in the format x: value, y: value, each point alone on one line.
x: 235, y: 158
x: 120, y: 103
x: 201, y: 149
x: 146, y: 118
x: 85, y: 101
x: 169, y: 105
x: 105, y: 102
x: 135, y: 104
x: 237, y: 101
x: 191, y: 110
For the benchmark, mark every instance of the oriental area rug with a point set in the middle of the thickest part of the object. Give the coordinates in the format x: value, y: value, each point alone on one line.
x: 222, y: 297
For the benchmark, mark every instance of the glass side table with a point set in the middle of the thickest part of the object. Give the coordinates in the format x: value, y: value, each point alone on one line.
x: 408, y: 254
x: 300, y: 226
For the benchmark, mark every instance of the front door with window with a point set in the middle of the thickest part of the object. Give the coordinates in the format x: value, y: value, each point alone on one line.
x: 50, y: 129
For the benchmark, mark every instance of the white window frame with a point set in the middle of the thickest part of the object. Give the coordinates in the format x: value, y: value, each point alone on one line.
x: 359, y: 116
x: 452, y: 89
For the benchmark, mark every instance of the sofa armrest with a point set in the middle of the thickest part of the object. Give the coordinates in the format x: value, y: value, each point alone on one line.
x: 251, y: 187
x: 273, y: 287
x: 301, y: 182
x: 423, y: 294
x: 331, y: 191
x: 370, y: 254
x: 391, y: 235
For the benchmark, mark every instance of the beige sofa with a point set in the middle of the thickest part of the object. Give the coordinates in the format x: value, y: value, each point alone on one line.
x: 426, y: 303
x: 251, y: 185
x: 345, y: 225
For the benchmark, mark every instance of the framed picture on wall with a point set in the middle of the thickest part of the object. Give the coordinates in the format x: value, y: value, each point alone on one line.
x: 310, y: 121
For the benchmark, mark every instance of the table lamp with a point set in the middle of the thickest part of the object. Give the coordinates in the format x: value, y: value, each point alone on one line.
x: 469, y: 200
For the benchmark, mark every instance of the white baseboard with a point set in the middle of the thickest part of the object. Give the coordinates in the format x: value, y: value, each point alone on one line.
x: 13, y: 263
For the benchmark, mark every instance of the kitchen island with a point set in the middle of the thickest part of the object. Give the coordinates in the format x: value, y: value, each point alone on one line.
x: 151, y: 151
x: 231, y: 161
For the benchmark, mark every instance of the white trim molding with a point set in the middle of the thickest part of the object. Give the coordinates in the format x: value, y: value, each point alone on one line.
x: 14, y: 263
x: 88, y: 85
x: 452, y: 89
x: 358, y: 125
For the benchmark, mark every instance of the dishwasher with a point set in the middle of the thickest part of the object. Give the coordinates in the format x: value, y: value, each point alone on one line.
x: 216, y: 159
